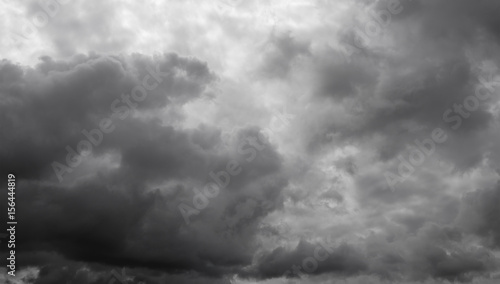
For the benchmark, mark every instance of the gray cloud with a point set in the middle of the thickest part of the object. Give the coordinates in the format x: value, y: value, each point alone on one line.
x: 355, y: 107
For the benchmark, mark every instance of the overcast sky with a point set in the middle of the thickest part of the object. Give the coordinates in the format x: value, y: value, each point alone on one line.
x: 234, y: 141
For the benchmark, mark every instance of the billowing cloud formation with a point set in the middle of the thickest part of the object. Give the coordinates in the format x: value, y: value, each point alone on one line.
x: 127, y: 213
x: 49, y: 106
x: 254, y: 142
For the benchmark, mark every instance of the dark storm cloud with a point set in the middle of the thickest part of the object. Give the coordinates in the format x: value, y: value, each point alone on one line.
x: 139, y: 199
x: 53, y: 268
x: 117, y: 218
x: 478, y: 215
x: 281, y: 262
x: 432, y: 250
x: 129, y: 215
x: 46, y: 108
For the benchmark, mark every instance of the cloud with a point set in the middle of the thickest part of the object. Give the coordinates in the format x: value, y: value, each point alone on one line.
x: 48, y: 106
x: 477, y: 215
x: 281, y: 262
x: 127, y: 213
x: 230, y: 144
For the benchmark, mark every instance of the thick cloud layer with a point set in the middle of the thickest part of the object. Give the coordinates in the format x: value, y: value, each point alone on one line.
x: 253, y: 141
x: 122, y: 206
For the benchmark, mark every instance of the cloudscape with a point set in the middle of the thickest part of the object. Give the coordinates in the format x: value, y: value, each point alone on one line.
x: 250, y: 141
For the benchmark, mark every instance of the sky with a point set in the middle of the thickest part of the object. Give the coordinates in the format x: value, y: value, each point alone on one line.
x: 233, y: 141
